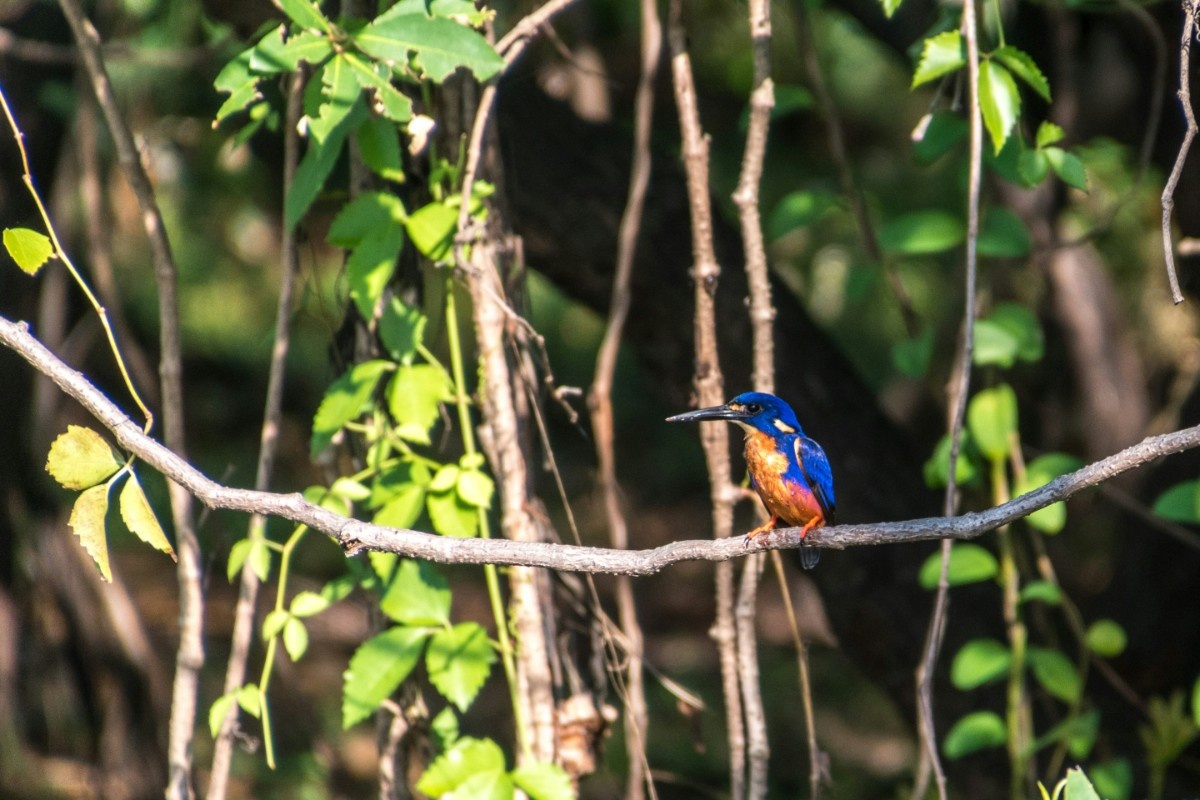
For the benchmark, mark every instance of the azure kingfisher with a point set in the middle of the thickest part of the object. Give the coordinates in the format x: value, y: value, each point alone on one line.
x: 789, y: 471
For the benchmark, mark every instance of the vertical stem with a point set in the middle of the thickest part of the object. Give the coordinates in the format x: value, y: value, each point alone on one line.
x: 600, y: 398
x: 958, y: 391
x: 1190, y: 9
x: 1017, y: 720
x: 709, y: 382
x: 243, y: 615
x: 190, y: 655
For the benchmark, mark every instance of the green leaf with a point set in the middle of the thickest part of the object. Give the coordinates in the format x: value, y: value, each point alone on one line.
x: 980, y: 661
x: 295, y: 638
x: 992, y: 420
x: 396, y: 480
x: 1078, y: 732
x: 403, y: 509
x: 249, y: 699
x: 1181, y: 502
x: 1067, y: 167
x: 798, y: 209
x: 475, y: 488
x: 1020, y: 63
x: 348, y: 489
x: 139, y: 517
x: 1042, y: 591
x: 1038, y: 473
x: 1079, y: 787
x: 994, y: 344
x: 388, y: 100
x: 1196, y: 702
x: 1047, y: 134
x: 439, y: 45
x: 1023, y: 324
x: 363, y: 216
x: 377, y: 668
x: 345, y: 399
x: 217, y: 711
x: 308, y: 604
x: 1106, y: 638
x: 911, y: 357
x: 921, y: 233
x: 340, y: 91
x: 402, y: 330
x: 1002, y: 234
x: 451, y: 9
x: 87, y: 521
x: 1033, y: 166
x: 418, y: 595
x: 941, y: 55
x: 319, y: 160
x: 80, y: 458
x: 254, y: 552
x: 445, y: 727
x: 240, y: 98
x: 1055, y: 673
x: 459, y: 660
x: 445, y: 479
x: 943, y: 131
x: 543, y: 781
x: 305, y: 13
x: 379, y: 148
x: 890, y: 7
x: 370, y: 267
x: 1113, y: 779
x: 467, y: 758
x: 975, y: 731
x: 450, y: 515
x: 273, y: 623
x: 969, y: 563
x: 236, y: 71
x: 432, y: 229
x: 414, y: 396
x: 28, y: 248
x: 999, y: 101
x: 937, y: 468
x: 274, y: 53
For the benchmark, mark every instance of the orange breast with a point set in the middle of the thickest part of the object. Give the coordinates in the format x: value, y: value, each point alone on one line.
x: 785, y: 496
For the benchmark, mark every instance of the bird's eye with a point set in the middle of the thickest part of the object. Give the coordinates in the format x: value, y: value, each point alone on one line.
x: 754, y: 408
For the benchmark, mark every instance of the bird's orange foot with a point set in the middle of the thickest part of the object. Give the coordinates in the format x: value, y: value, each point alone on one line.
x: 766, y: 527
x: 815, y: 522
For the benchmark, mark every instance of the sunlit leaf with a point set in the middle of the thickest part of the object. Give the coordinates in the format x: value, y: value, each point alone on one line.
x: 937, y: 468
x: 1038, y: 473
x: 388, y: 100
x: 340, y: 90
x: 543, y: 781
x: 308, y: 604
x: 976, y: 731
x: 439, y: 45
x: 467, y: 758
x: 1042, y: 591
x: 217, y: 712
x: 29, y: 248
x: 1067, y: 167
x: 992, y: 420
x: 1048, y: 133
x: 459, y: 660
x: 475, y: 488
x: 305, y: 13
x: 450, y: 515
x: 890, y: 7
x: 942, y: 54
x: 922, y: 233
x: 1106, y: 638
x: 249, y: 551
x: 1022, y: 65
x: 370, y: 267
x: 403, y: 509
x: 1055, y: 673
x: 1033, y: 167
x: 249, y: 699
x: 295, y: 638
x: 414, y: 396
x: 377, y: 668
x: 363, y: 216
x: 80, y: 458
x: 969, y: 563
x: 344, y: 400
x: 432, y: 228
x: 994, y: 344
x: 140, y: 518
x: 318, y: 161
x: 274, y: 53
x: 418, y: 595
x: 1079, y: 787
x: 1023, y: 324
x: 999, y: 101
x: 87, y: 521
x: 402, y: 330
x: 978, y: 662
x: 379, y: 148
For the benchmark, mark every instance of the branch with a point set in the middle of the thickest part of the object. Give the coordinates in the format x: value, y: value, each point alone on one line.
x: 356, y: 536
x: 1190, y: 9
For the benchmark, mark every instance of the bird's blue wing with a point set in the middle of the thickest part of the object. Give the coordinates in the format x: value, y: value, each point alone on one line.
x: 818, y: 474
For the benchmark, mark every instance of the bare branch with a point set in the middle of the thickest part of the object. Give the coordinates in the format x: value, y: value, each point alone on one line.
x: 1190, y: 10
x: 356, y: 536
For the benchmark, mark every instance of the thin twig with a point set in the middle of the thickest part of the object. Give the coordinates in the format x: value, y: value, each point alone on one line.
x: 758, y: 747
x: 958, y: 391
x: 709, y: 382
x: 357, y: 536
x: 637, y: 717
x: 1190, y: 10
x: 190, y: 656
x: 243, y: 615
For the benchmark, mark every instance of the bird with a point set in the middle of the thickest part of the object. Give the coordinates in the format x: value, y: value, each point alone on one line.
x: 789, y: 471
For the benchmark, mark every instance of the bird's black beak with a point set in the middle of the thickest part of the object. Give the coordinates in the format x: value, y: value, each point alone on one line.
x: 726, y: 412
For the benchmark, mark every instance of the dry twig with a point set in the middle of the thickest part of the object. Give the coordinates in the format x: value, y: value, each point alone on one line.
x: 1191, y: 8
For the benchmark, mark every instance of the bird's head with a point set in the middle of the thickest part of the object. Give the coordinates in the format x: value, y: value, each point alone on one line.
x: 753, y: 411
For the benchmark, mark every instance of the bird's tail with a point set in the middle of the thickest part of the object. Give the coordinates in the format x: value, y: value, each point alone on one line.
x: 808, y: 556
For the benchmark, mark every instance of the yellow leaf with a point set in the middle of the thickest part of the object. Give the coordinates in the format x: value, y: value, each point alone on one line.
x: 87, y: 520
x: 80, y: 458
x: 139, y: 517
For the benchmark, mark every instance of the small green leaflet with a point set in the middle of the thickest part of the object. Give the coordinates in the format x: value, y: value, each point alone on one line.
x: 413, y: 397
x: 468, y: 757
x: 1067, y: 167
x: 370, y: 267
x: 80, y: 458
x: 28, y: 248
x: 976, y: 731
x: 306, y: 14
x: 402, y: 330
x: 344, y: 400
x: 459, y: 660
x: 377, y: 668
x: 543, y: 781
x: 339, y: 91
x: 969, y: 563
x: 418, y: 595
x: 87, y: 521
x: 890, y: 7
x: 980, y: 661
x: 432, y: 228
x: 1023, y: 66
x: 439, y: 45
x: 942, y: 54
x: 922, y: 233
x: 363, y: 215
x: 999, y: 101
x: 389, y: 100
x: 379, y: 147
x: 992, y: 420
x: 317, y: 163
x: 274, y: 53
x: 1055, y: 673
